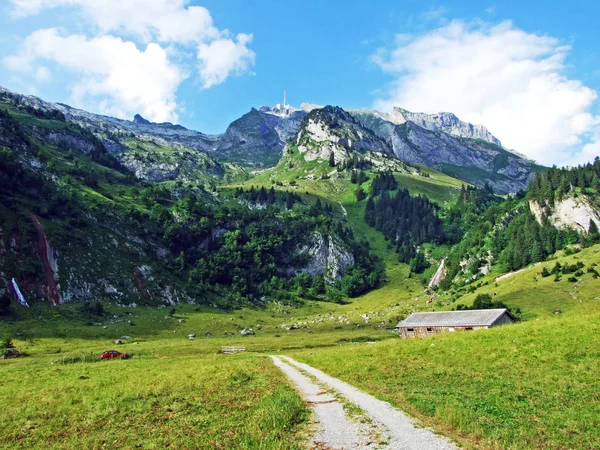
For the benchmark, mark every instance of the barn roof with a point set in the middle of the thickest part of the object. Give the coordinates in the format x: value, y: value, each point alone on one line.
x: 477, y: 317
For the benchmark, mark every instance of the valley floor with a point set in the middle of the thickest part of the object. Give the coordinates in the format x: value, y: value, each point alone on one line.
x: 529, y: 385
x: 523, y: 386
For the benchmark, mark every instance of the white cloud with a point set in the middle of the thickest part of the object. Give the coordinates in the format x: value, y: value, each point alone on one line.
x: 43, y: 74
x: 179, y: 28
x: 169, y: 21
x: 163, y: 20
x: 223, y: 57
x: 23, y: 8
x: 123, y: 79
x: 589, y: 152
x: 511, y: 81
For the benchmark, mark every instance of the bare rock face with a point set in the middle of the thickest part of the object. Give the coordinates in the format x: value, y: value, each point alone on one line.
x: 140, y: 127
x: 439, y: 276
x: 258, y: 137
x: 286, y: 126
x: 574, y: 213
x: 140, y: 120
x: 446, y: 122
x: 477, y: 162
x: 443, y: 142
x: 440, y: 141
x: 333, y: 130
x: 327, y: 256
x: 48, y: 257
x: 59, y: 138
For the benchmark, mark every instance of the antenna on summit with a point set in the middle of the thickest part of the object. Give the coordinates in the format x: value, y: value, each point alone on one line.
x: 284, y: 99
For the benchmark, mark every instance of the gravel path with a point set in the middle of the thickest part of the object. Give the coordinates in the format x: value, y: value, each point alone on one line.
x: 397, y: 430
x: 333, y: 428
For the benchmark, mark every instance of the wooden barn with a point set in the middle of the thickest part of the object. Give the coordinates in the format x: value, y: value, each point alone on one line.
x: 428, y: 323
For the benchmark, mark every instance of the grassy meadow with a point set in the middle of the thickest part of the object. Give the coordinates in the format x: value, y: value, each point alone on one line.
x: 533, y: 384
x: 173, y: 392
x: 168, y: 399
x: 529, y: 385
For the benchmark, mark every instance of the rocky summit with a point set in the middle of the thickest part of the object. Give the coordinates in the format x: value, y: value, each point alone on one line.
x: 257, y: 139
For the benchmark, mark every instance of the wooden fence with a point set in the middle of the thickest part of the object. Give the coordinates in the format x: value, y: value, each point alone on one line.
x: 229, y: 349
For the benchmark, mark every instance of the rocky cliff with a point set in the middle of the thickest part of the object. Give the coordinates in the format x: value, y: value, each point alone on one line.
x: 256, y: 140
x: 438, y: 276
x: 467, y: 152
x: 575, y: 213
x: 327, y: 256
x: 446, y: 122
x: 475, y: 161
x: 332, y: 130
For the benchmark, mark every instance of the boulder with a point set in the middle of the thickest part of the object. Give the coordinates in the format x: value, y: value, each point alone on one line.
x: 11, y: 353
x: 247, y: 332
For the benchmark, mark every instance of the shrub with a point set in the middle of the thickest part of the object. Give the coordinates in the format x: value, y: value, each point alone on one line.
x: 74, y: 359
x: 92, y: 309
x: 6, y: 342
x: 419, y: 264
x: 360, y: 194
x: 483, y: 301
x: 4, y: 305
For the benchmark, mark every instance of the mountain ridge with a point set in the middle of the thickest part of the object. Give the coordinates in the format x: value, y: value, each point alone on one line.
x: 257, y: 139
x: 156, y: 222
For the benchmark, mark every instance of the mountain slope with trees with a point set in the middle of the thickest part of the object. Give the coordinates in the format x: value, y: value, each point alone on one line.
x: 156, y: 222
x: 110, y: 235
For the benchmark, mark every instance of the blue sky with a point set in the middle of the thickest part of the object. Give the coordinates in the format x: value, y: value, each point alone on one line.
x: 529, y: 71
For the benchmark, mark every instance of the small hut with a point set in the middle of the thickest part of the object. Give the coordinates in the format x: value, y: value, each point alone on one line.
x: 428, y: 323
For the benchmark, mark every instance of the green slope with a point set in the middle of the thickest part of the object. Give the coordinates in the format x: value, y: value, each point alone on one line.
x: 522, y: 386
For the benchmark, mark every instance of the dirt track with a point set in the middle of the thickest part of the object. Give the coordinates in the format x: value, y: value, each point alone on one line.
x: 386, y: 427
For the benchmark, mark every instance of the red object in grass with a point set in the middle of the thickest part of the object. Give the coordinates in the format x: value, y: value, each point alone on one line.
x: 111, y: 354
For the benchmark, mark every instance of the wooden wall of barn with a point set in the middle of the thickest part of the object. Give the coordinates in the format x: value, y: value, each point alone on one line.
x: 428, y: 331
x: 418, y: 331
x: 504, y: 319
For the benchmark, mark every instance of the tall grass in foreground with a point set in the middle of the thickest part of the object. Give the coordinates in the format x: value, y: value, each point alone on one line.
x: 532, y: 385
x: 206, y: 402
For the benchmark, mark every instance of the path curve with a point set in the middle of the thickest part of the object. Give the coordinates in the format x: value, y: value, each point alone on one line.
x: 401, y: 432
